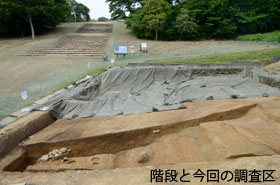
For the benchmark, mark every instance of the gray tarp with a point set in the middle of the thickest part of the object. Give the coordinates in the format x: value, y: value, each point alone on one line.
x: 132, y: 89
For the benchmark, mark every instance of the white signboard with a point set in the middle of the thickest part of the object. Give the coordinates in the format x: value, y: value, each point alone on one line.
x: 120, y: 50
x: 131, y: 49
x: 144, y: 45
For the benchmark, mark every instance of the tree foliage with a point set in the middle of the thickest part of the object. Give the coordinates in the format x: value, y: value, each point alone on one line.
x: 120, y: 8
x: 20, y: 17
x: 185, y: 24
x: 154, y: 15
x: 78, y: 12
x: 102, y: 19
x: 196, y: 19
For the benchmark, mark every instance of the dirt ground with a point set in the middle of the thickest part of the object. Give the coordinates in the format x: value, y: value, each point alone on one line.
x: 18, y: 71
x: 274, y: 67
x: 223, y: 135
x: 141, y: 176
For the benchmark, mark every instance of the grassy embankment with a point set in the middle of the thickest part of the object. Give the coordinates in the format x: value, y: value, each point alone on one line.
x: 258, y: 55
x: 262, y: 37
x: 95, y: 72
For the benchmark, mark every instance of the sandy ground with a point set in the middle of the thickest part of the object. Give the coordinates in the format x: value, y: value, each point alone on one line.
x: 274, y: 67
x: 141, y: 176
x: 223, y: 135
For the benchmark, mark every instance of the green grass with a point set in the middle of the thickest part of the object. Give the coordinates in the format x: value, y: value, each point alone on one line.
x: 12, y: 116
x: 97, y: 71
x: 93, y: 73
x: 266, y: 37
x: 258, y: 55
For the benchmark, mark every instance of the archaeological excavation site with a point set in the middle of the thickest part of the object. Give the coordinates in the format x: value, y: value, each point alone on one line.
x: 139, y: 92
x: 129, y: 120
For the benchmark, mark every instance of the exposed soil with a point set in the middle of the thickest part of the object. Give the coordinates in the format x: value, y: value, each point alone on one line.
x: 96, y: 28
x: 220, y: 134
x: 74, y: 45
x: 141, y: 176
x: 21, y: 129
x: 216, y: 133
x: 82, y: 43
x: 274, y: 67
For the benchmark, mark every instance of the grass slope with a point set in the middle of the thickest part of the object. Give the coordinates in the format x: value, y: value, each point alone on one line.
x: 258, y: 55
x: 267, y: 37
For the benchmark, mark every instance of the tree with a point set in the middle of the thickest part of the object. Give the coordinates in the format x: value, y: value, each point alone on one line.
x: 184, y: 22
x: 82, y: 13
x: 134, y: 22
x: 200, y: 19
x: 119, y: 8
x: 155, y: 13
x: 78, y: 12
x: 41, y: 12
x: 102, y: 19
x: 220, y: 21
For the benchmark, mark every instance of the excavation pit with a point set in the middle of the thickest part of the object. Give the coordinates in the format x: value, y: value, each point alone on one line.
x: 143, y: 89
x: 189, y: 129
x: 218, y: 130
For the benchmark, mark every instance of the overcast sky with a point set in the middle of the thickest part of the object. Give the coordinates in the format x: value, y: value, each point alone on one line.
x: 98, y: 8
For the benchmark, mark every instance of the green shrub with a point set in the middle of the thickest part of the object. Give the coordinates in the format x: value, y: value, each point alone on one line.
x: 268, y: 37
x: 102, y: 19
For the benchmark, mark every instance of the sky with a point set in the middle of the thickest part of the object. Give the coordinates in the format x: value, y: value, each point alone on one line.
x: 98, y: 8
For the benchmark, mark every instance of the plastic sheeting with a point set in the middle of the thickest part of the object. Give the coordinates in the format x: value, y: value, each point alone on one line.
x: 132, y: 89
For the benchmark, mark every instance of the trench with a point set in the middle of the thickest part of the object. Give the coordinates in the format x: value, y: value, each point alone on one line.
x: 111, y: 148
x: 116, y: 142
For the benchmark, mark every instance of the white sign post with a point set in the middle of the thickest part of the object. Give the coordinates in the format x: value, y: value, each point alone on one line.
x: 143, y: 48
x: 144, y: 45
x: 131, y: 50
